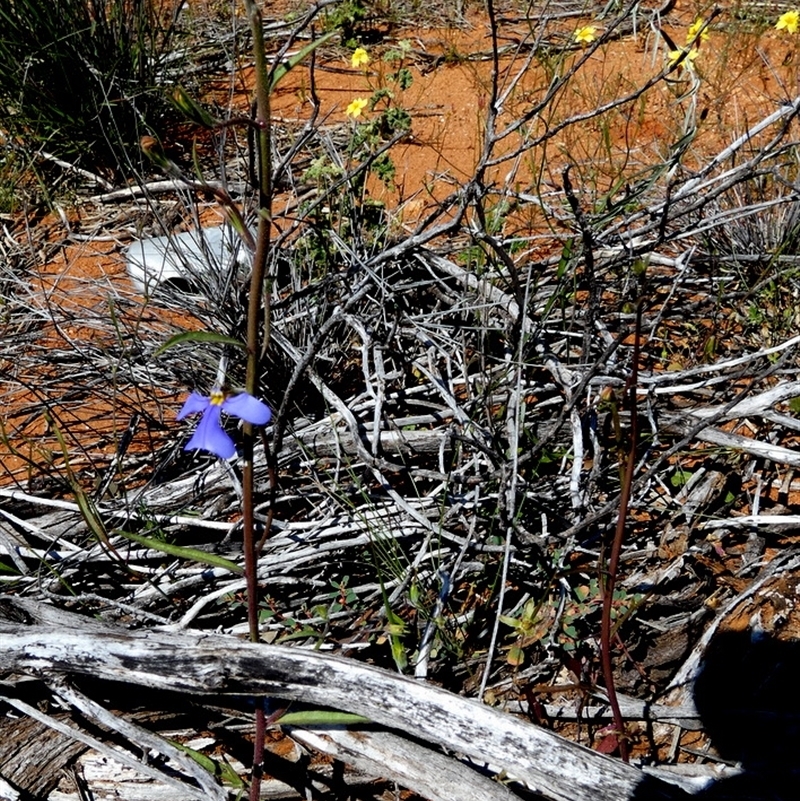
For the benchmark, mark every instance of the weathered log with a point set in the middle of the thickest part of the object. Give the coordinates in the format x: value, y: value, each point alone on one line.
x: 55, y: 641
x: 428, y: 773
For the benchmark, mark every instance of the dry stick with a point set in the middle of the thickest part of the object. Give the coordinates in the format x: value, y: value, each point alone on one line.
x: 588, y: 261
x: 435, y: 776
x: 696, y: 430
x: 546, y: 101
x: 139, y: 737
x: 254, y: 351
x: 616, y: 549
x: 702, y: 189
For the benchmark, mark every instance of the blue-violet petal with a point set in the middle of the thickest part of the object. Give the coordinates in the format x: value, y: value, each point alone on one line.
x: 247, y: 408
x: 195, y: 404
x: 210, y: 436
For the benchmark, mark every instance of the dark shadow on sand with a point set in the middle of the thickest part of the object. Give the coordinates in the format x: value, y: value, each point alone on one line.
x: 748, y: 696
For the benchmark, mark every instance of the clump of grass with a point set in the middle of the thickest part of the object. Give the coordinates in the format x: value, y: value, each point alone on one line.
x: 77, y: 77
x: 9, y: 177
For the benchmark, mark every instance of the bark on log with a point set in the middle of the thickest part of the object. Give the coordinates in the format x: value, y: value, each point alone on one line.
x: 33, y: 755
x: 210, y: 663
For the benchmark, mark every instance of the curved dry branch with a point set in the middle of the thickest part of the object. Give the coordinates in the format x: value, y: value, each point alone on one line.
x: 64, y: 643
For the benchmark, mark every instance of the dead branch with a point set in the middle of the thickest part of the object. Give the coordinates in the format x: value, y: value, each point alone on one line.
x: 429, y: 773
x: 63, y: 643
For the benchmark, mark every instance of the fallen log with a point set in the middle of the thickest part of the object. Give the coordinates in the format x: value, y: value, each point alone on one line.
x: 50, y: 641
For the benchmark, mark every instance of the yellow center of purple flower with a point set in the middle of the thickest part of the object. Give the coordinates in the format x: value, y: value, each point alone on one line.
x: 216, y: 397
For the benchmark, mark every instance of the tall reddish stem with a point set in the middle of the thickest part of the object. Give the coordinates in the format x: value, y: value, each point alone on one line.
x: 616, y: 550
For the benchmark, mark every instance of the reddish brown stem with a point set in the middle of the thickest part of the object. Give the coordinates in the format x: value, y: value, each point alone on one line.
x: 612, y: 569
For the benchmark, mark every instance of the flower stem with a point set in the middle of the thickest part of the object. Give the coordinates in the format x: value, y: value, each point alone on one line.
x: 258, y: 301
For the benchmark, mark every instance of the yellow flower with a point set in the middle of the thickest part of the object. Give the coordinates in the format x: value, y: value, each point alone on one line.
x: 360, y: 58
x: 688, y: 60
x: 789, y: 22
x: 586, y: 35
x: 694, y: 28
x: 356, y: 107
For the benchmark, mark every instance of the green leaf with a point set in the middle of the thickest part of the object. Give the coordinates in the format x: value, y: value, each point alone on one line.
x: 582, y: 592
x: 398, y: 653
x: 190, y: 108
x: 195, y: 554
x: 321, y: 717
x: 680, y: 478
x: 222, y: 770
x: 283, y: 68
x: 199, y: 336
x: 305, y: 633
x: 85, y: 503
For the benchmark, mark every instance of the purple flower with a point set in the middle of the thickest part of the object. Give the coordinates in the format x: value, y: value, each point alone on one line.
x: 209, y: 434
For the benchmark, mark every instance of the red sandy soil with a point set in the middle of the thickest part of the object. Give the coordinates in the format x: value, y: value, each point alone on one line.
x: 743, y: 77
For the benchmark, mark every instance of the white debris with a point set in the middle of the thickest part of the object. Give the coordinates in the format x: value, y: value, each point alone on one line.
x: 185, y: 259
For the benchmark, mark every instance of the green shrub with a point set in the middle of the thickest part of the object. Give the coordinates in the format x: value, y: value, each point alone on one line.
x: 77, y: 77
